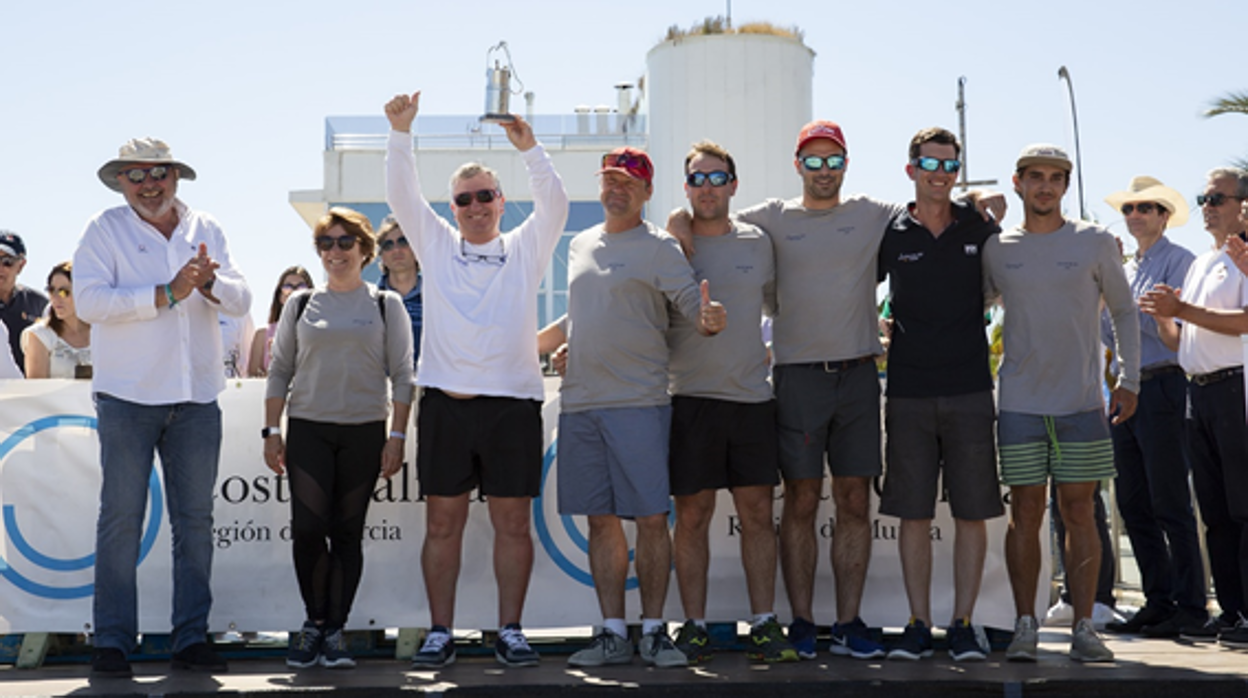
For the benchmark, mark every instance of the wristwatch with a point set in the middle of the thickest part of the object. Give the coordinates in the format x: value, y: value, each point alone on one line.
x: 270, y: 431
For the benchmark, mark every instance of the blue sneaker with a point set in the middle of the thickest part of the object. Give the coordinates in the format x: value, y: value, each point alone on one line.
x: 915, y: 642
x: 853, y: 639
x: 802, y: 637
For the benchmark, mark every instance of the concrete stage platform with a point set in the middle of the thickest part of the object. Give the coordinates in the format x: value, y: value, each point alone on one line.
x: 1144, y: 668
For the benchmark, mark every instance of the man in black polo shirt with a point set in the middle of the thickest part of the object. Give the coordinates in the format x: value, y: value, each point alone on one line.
x: 939, y: 413
x: 19, y: 306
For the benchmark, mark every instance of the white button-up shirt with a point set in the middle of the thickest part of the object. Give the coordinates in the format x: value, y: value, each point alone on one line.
x: 141, y: 353
x: 8, y: 365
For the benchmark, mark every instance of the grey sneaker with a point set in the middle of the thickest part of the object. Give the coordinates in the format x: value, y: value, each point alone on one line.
x: 1086, y: 645
x: 1026, y: 637
x: 657, y: 649
x: 606, y: 648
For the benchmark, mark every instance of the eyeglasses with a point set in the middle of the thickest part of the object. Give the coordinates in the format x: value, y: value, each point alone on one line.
x: 814, y: 163
x: 325, y: 243
x: 10, y: 262
x: 401, y: 241
x: 1215, y: 200
x: 932, y: 164
x: 62, y: 292
x: 137, y: 175
x: 296, y: 287
x: 1144, y: 207
x: 635, y: 165
x: 718, y: 178
x: 484, y: 196
x: 496, y: 259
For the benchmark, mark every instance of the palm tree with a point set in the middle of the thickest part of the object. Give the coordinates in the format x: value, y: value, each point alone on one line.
x: 1230, y: 103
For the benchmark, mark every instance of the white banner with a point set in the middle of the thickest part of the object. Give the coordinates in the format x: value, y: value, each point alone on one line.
x: 49, y: 490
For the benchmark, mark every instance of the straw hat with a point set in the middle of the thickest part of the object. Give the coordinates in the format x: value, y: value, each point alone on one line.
x: 144, y: 151
x: 1145, y: 188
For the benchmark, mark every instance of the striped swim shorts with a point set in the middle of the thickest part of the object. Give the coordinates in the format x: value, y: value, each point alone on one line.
x: 1071, y: 448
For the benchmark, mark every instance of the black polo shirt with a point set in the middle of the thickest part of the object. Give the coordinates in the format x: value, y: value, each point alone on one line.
x: 20, y: 312
x: 939, y: 346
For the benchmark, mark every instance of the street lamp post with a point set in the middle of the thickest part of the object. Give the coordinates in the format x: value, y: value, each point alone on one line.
x: 1063, y: 74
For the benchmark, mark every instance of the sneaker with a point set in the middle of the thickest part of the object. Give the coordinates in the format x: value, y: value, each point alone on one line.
x: 1149, y: 615
x: 1209, y: 631
x: 1086, y: 645
x: 305, y: 650
x: 1026, y: 637
x: 657, y: 649
x: 965, y: 643
x: 512, y: 648
x: 1104, y: 614
x: 1174, y: 625
x: 1061, y: 615
x: 768, y: 644
x: 334, y: 654
x: 199, y: 657
x: 1235, y: 638
x: 693, y: 641
x: 605, y: 648
x: 438, y: 650
x: 802, y: 637
x: 853, y: 639
x: 110, y: 663
x: 915, y: 642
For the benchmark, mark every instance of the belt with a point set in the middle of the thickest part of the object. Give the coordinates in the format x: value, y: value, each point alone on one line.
x: 1151, y: 373
x: 1203, y: 379
x: 837, y: 366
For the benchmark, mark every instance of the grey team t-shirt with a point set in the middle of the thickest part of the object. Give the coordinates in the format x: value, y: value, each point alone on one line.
x: 1051, y: 285
x: 619, y: 285
x: 825, y: 276
x: 733, y: 364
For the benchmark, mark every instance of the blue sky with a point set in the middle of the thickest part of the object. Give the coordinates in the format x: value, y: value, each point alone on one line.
x: 240, y: 90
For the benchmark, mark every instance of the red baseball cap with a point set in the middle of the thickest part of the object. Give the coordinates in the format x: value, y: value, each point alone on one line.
x: 631, y: 161
x: 820, y: 129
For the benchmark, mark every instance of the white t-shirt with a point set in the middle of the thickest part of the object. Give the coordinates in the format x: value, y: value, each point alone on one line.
x: 63, y: 359
x: 1213, y: 281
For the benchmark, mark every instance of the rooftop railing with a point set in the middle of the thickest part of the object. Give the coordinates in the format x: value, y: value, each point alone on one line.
x: 555, y: 131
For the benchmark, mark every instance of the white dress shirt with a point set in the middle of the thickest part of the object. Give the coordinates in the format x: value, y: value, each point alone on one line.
x: 8, y: 366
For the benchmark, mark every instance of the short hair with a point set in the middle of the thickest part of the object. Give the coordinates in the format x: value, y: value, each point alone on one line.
x: 66, y: 268
x: 354, y: 223
x: 713, y: 149
x: 469, y: 170
x: 936, y: 135
x: 389, y: 224
x: 275, y: 307
x: 1240, y: 177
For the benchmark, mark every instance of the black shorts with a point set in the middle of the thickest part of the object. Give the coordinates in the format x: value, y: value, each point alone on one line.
x: 486, y: 442
x: 718, y: 444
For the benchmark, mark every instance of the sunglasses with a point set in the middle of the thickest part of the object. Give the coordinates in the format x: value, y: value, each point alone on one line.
x: 325, y: 243
x: 138, y: 175
x: 1215, y: 200
x: 401, y: 241
x: 932, y: 164
x: 63, y: 292
x: 10, y: 262
x: 814, y: 163
x: 466, y: 257
x: 1143, y: 207
x: 718, y: 178
x: 635, y: 165
x: 299, y: 286
x: 484, y: 196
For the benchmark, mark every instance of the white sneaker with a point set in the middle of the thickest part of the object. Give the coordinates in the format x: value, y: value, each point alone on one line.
x: 1061, y: 615
x: 1103, y: 615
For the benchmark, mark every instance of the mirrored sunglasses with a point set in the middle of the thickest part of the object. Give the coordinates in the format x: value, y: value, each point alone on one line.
x: 932, y: 164
x: 484, y: 196
x: 138, y: 175
x: 296, y: 287
x: 325, y: 243
x: 635, y: 165
x: 814, y: 163
x: 62, y: 292
x: 718, y: 178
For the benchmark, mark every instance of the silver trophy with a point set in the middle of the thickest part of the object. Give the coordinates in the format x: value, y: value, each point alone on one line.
x: 498, y: 86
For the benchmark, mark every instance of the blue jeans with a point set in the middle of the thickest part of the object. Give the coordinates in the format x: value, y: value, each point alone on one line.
x: 188, y: 438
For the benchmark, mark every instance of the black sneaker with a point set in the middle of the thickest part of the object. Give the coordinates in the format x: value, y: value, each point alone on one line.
x: 199, y: 657
x: 1174, y: 625
x: 693, y: 640
x: 915, y: 642
x: 512, y: 647
x: 1209, y: 631
x: 305, y: 648
x: 334, y: 654
x: 767, y: 643
x: 964, y: 642
x: 1149, y: 615
x: 110, y: 663
x: 438, y: 650
x: 1236, y: 638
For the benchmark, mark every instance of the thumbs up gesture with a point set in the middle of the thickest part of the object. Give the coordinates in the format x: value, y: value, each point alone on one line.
x: 713, y: 318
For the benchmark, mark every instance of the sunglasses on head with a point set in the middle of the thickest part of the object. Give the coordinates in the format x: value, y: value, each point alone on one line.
x: 814, y: 163
x: 325, y: 243
x: 401, y: 241
x: 718, y: 178
x: 932, y: 164
x: 1144, y: 207
x: 294, y: 287
x: 63, y: 292
x: 634, y: 164
x: 138, y: 175
x: 484, y: 196
x: 10, y: 261
x: 1215, y: 200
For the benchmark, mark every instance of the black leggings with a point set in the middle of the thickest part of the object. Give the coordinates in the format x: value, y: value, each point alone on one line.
x: 333, y: 470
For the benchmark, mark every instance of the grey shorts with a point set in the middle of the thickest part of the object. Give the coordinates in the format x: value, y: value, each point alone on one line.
x: 941, y: 439
x: 614, y: 461
x: 823, y: 412
x: 1072, y: 448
